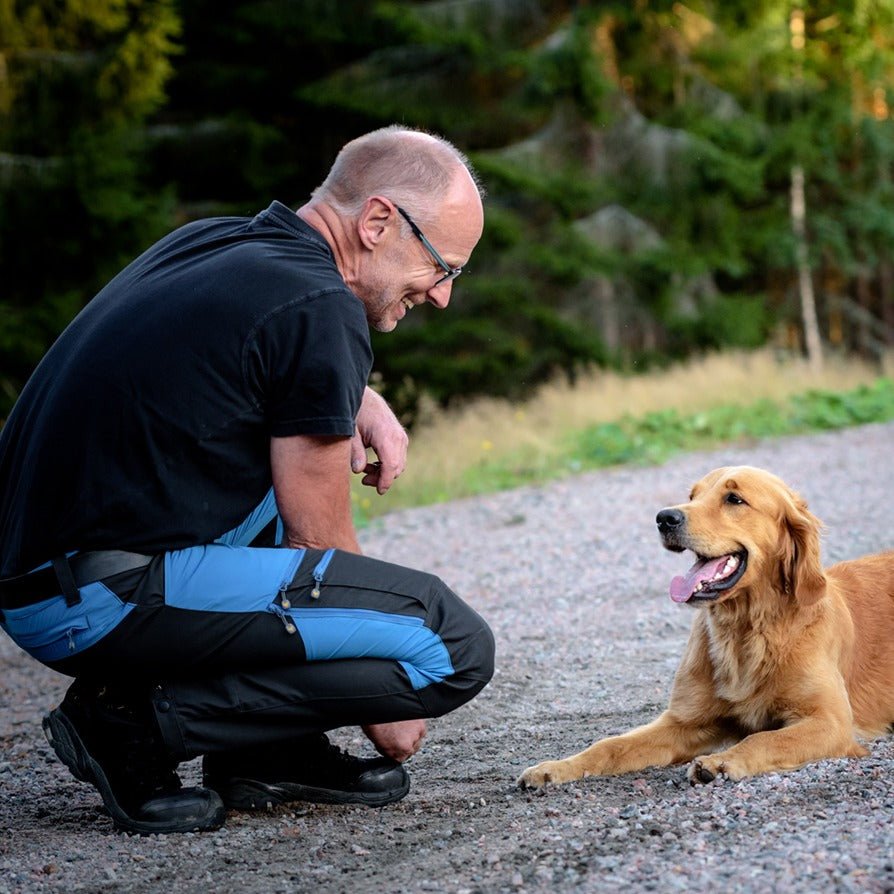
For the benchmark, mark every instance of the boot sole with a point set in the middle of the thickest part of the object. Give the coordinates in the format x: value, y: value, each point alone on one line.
x: 250, y: 794
x: 70, y: 749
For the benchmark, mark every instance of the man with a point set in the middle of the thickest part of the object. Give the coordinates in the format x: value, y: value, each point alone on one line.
x: 209, y: 403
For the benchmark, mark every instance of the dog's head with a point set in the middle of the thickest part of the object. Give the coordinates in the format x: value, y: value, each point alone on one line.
x: 748, y: 529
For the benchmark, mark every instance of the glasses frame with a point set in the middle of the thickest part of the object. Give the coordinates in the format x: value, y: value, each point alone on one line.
x: 450, y: 272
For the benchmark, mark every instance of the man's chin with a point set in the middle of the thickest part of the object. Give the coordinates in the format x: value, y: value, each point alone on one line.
x: 383, y: 325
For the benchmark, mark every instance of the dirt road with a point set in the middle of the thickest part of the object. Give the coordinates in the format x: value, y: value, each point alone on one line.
x: 573, y: 580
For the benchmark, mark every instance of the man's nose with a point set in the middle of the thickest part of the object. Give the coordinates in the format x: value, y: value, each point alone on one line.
x: 439, y: 295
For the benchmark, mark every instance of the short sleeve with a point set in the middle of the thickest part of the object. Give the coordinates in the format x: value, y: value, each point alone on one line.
x: 307, y: 364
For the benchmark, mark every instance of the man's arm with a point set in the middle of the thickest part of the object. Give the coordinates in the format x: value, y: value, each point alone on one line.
x: 311, y: 475
x: 311, y: 482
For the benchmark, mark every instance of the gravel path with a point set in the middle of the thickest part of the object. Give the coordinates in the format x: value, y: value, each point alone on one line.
x: 574, y: 582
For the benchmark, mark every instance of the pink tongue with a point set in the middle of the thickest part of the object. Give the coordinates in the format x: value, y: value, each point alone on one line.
x: 683, y: 586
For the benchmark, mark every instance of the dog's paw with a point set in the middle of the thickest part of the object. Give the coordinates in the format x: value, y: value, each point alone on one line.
x: 708, y: 768
x: 546, y: 773
x: 700, y: 771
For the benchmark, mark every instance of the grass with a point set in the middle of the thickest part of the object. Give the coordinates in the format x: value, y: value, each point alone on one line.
x: 607, y: 419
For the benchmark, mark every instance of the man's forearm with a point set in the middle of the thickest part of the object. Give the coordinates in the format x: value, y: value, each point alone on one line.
x: 312, y: 484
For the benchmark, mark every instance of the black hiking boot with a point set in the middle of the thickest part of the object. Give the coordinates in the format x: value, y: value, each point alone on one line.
x: 103, y: 741
x: 309, y: 769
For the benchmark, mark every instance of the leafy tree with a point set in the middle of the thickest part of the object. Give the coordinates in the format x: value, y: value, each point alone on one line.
x: 814, y: 80
x: 639, y: 160
x: 235, y: 131
x: 78, y: 78
x: 687, y: 118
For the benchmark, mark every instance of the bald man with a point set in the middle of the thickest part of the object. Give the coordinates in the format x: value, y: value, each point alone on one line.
x: 175, y: 520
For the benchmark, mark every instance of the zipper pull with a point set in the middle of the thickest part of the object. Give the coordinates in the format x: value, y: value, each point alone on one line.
x: 319, y: 571
x: 283, y: 599
x: 287, y: 622
x: 71, y: 642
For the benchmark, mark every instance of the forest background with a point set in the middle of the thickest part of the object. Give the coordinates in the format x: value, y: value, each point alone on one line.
x: 663, y: 178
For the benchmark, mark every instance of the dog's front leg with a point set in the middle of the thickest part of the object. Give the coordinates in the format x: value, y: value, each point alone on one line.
x: 666, y: 740
x: 805, y: 740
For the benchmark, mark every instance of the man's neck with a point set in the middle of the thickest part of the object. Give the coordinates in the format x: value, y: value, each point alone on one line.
x: 333, y: 228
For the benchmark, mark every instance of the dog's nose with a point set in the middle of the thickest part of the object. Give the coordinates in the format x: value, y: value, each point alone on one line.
x: 669, y: 520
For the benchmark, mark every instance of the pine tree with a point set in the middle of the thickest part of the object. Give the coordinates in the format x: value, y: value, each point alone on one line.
x: 77, y: 79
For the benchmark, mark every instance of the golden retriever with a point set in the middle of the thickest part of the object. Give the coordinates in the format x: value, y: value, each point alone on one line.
x: 786, y: 663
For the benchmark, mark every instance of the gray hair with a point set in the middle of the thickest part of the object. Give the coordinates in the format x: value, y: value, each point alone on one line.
x: 412, y: 168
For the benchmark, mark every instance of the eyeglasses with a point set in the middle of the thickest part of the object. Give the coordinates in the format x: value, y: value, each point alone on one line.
x: 451, y: 272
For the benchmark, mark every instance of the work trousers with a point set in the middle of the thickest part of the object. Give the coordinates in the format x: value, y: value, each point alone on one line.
x: 239, y: 645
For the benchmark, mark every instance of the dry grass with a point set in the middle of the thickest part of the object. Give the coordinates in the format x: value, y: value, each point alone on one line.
x: 446, y: 444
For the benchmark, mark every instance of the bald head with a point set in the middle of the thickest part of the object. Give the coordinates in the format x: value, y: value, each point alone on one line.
x: 413, y: 169
x: 379, y: 183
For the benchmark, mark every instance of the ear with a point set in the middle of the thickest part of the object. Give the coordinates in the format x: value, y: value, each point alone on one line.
x: 372, y: 224
x: 801, y: 564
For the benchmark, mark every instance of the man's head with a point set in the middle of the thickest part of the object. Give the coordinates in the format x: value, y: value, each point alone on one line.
x: 410, y: 212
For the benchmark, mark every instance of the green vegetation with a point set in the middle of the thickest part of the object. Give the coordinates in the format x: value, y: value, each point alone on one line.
x: 657, y: 435
x: 77, y: 83
x: 457, y: 461
x: 638, y: 158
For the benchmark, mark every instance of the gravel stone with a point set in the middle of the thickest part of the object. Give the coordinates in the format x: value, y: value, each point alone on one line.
x: 574, y: 582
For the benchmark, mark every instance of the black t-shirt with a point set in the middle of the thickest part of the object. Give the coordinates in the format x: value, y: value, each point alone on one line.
x: 147, y: 425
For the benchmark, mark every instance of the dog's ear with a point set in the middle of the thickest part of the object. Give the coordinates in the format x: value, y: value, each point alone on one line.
x: 801, y: 562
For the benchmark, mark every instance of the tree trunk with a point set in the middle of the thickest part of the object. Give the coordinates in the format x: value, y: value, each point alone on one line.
x: 886, y: 288
x: 805, y: 283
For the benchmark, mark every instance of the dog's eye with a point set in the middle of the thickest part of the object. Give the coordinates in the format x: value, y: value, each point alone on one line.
x: 735, y: 499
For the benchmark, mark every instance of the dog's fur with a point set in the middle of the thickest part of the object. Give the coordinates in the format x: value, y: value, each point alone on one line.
x: 786, y: 663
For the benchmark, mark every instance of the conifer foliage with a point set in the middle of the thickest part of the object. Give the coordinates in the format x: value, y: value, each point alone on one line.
x: 663, y: 177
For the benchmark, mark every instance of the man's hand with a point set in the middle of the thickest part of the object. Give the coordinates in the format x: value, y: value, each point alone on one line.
x: 377, y: 427
x: 398, y: 740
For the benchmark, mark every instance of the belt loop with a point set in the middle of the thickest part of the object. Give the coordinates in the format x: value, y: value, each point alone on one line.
x: 66, y: 580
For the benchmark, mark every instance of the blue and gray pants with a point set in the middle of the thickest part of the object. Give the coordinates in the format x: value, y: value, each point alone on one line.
x: 241, y: 644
